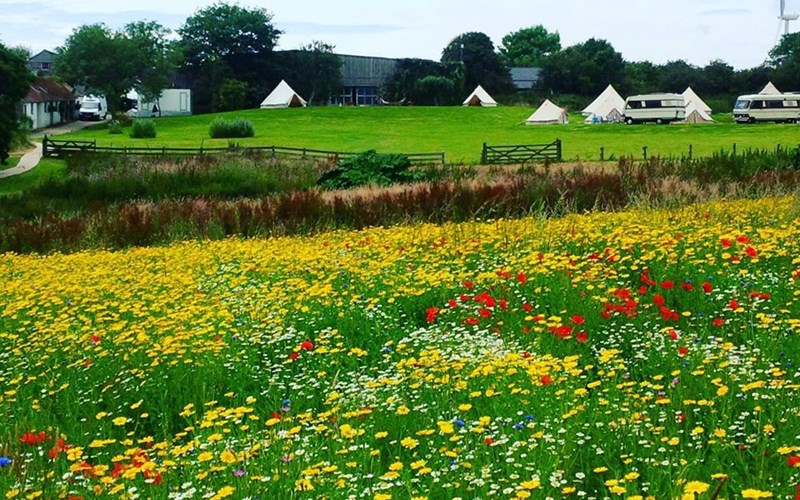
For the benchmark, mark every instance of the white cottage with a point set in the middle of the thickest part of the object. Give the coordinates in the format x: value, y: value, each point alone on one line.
x: 49, y: 103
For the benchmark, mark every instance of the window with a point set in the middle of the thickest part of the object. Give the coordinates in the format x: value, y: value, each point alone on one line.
x: 774, y: 104
x: 634, y: 105
x: 367, y: 96
x: 652, y: 104
x: 791, y: 104
x: 742, y: 104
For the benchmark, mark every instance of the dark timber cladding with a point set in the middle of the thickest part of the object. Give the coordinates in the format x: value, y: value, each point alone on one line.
x: 362, y: 78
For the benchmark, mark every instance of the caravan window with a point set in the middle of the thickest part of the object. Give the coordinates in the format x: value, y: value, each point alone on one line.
x: 652, y: 104
x: 671, y: 104
x: 774, y: 104
x: 742, y: 104
x: 635, y: 104
x: 791, y: 104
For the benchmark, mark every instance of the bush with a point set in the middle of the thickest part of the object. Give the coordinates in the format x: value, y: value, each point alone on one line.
x: 21, y: 136
x: 143, y: 129
x: 123, y: 119
x: 221, y: 128
x: 114, y: 127
x: 370, y: 168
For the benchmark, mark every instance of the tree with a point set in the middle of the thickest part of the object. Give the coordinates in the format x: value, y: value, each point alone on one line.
x: 102, y: 60
x: 434, y: 90
x: 784, y: 59
x: 482, y: 65
x: 583, y: 69
x: 405, y: 82
x: 528, y: 47
x: 718, y: 78
x: 677, y: 75
x: 21, y: 51
x: 640, y: 78
x: 156, y: 58
x: 232, y: 95
x: 315, y: 70
x: 15, y: 81
x: 227, y: 41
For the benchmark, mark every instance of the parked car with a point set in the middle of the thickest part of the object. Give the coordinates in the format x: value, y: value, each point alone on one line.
x: 659, y: 108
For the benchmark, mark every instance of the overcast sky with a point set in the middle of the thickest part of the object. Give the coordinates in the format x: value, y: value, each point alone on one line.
x: 740, y: 32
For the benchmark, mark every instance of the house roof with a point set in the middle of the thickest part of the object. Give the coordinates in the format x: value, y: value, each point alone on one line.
x: 47, y: 89
x: 43, y: 56
x: 524, y: 78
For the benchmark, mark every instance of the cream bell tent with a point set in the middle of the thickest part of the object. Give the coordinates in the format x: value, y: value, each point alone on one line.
x: 690, y: 98
x: 696, y: 114
x: 548, y: 114
x: 770, y: 89
x: 283, y: 97
x: 480, y: 97
x: 608, y: 107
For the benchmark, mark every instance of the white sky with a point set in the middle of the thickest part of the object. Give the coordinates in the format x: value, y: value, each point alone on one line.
x: 740, y: 32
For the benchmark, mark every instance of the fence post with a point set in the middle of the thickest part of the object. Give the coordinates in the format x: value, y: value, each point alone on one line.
x: 44, y: 147
x: 602, y: 153
x: 690, y: 151
x: 558, y: 149
x: 483, y: 155
x: 644, y: 152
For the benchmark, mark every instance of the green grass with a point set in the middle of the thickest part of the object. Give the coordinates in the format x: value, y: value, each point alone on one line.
x: 22, y: 182
x: 460, y: 132
x: 12, y: 162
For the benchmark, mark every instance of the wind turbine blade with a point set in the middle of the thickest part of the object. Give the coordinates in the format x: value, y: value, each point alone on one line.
x: 783, y: 7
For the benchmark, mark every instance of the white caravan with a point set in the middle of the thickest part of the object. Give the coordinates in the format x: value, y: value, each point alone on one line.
x: 659, y: 108
x: 767, y: 108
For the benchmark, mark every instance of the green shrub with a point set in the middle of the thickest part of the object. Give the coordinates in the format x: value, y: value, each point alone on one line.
x: 143, y: 129
x: 114, y: 127
x: 122, y: 118
x: 221, y: 128
x: 370, y: 168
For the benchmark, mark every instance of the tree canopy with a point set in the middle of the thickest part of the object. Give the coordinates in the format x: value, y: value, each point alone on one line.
x: 784, y: 60
x: 226, y: 41
x: 482, y: 65
x: 15, y: 81
x: 529, y: 47
x: 584, y: 69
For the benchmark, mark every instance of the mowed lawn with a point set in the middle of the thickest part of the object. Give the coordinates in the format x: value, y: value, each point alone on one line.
x: 459, y: 132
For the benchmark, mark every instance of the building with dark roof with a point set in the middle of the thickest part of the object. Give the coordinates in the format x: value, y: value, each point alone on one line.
x: 525, y: 78
x: 42, y: 63
x: 49, y: 103
x: 362, y: 79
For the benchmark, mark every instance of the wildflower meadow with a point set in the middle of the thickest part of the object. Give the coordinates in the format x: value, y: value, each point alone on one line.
x: 643, y: 354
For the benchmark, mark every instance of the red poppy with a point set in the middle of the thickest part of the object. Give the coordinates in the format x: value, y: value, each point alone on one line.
x: 687, y: 286
x: 582, y: 337
x: 468, y: 285
x: 751, y: 252
x: 94, y: 339
x: 718, y: 322
x: 527, y: 307
x: 522, y: 278
x: 605, y: 314
x: 667, y: 285
x: 504, y: 274
x: 673, y: 334
x: 733, y: 304
x: 430, y: 314
x: 659, y: 300
x: 32, y: 439
x: 743, y: 239
x: 307, y: 345
x: 793, y: 461
x: 485, y: 313
x: 503, y: 304
x: 546, y: 380
x: 577, y: 319
x: 683, y: 351
x: 471, y: 321
x: 707, y: 287
x: 489, y: 441
x: 726, y: 242
x: 294, y: 355
x: 642, y: 290
x: 452, y: 304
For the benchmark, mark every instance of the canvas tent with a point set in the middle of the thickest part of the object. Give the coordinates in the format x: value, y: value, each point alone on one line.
x: 770, y: 89
x: 696, y: 114
x: 548, y: 114
x: 608, y: 107
x: 480, y: 97
x: 283, y: 97
x: 691, y: 98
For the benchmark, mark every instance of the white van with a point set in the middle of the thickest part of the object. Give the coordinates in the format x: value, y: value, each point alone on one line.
x: 659, y: 108
x: 93, y: 108
x: 767, y: 108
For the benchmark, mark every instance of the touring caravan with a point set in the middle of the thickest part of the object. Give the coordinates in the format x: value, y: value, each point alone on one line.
x: 659, y: 108
x: 767, y: 108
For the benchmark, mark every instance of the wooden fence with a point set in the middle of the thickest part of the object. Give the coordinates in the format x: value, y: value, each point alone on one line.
x: 522, y: 153
x: 62, y: 149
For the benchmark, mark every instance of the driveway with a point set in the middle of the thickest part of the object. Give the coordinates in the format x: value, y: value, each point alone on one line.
x: 30, y: 159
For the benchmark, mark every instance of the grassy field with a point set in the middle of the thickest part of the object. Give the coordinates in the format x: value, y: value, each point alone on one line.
x: 460, y: 132
x: 649, y: 353
x: 21, y: 182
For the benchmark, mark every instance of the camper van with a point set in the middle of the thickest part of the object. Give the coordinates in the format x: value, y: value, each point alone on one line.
x: 93, y: 108
x: 767, y: 108
x: 659, y: 108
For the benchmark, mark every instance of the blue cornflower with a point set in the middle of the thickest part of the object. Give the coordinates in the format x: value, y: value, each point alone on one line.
x: 5, y: 461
